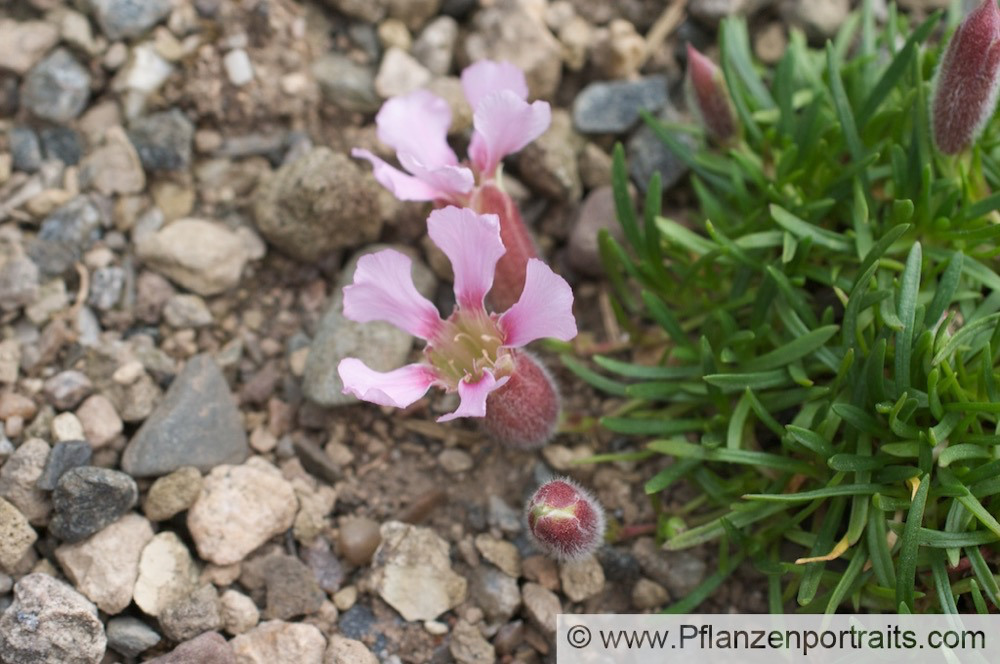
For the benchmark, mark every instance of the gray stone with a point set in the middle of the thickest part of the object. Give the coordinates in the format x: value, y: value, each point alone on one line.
x: 278, y: 641
x: 172, y: 494
x: 25, y: 149
x: 468, y: 646
x: 292, y: 589
x: 381, y: 346
x: 62, y: 143
x: 819, y: 20
x: 542, y: 606
x: 64, y: 457
x: 67, y: 389
x: 114, y: 167
x: 549, y: 164
x: 318, y: 204
x: 65, y: 235
x: 89, y: 499
x: 196, y: 424
x: 202, y: 256
x: 501, y: 515
x: 711, y: 12
x: 50, y: 623
x: 19, y: 477
x: 581, y: 579
x: 647, y: 154
x: 369, y: 11
x: 124, y: 19
x: 16, y: 536
x: 130, y: 636
x: 57, y: 88
x: 496, y: 593
x: 195, y: 614
x: 209, y: 647
x: 435, y: 46
x: 23, y: 43
x: 163, y: 140
x: 597, y: 212
x: 613, y: 107
x: 186, y: 310
x: 106, y: 286
x: 348, y: 651
x: 345, y: 83
x: 678, y: 571
x: 19, y: 284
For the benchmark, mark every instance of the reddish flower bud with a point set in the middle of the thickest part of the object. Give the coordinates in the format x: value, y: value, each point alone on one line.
x: 565, y: 520
x: 708, y: 97
x: 509, y: 282
x: 966, y: 81
x: 524, y: 412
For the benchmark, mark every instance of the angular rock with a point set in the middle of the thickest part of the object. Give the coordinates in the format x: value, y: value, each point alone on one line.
x: 201, y: 256
x: 19, y: 478
x: 50, y: 623
x: 549, y: 163
x: 278, y: 641
x: 292, y: 589
x: 196, y: 424
x: 124, y: 19
x: 541, y: 606
x: 167, y: 574
x: 435, y: 47
x: 88, y: 499
x: 318, y: 204
x: 581, y: 579
x: 647, y: 594
x: 597, y: 212
x: 104, y: 566
x: 172, y: 494
x: 345, y: 83
x: 62, y: 143
x: 185, y: 310
x: 65, y: 235
x: 648, y: 155
x: 25, y: 149
x: 100, y: 420
x: 239, y: 613
x: 613, y: 107
x: 348, y: 651
x: 57, y: 88
x: 399, y: 74
x: 16, y: 536
x: 501, y: 553
x: 106, y: 286
x: 163, y: 140
x: 18, y: 279
x: 64, y: 456
x: 130, y: 636
x: 23, y: 43
x: 412, y: 572
x: 468, y: 646
x: 209, y: 647
x: 192, y: 615
x: 67, y: 388
x: 495, y: 593
x: 240, y: 508
x: 114, y: 167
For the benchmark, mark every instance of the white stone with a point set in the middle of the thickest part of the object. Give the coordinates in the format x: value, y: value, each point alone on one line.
x: 66, y: 426
x: 167, y: 573
x: 200, y: 255
x: 400, y: 74
x: 100, y: 420
x: 104, y: 567
x: 239, y: 69
x: 343, y: 650
x: 278, y: 641
x: 239, y: 613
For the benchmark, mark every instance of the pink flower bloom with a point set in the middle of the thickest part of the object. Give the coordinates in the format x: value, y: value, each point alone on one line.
x: 416, y: 127
x: 967, y: 80
x: 565, y: 520
x: 472, y: 352
x: 708, y: 97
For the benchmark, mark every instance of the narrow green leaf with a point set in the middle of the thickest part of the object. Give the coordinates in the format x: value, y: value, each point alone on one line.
x: 737, y: 382
x: 793, y: 350
x: 906, y: 570
x: 593, y: 378
x: 807, y: 496
x: 803, y: 229
x: 686, y: 450
x: 906, y: 306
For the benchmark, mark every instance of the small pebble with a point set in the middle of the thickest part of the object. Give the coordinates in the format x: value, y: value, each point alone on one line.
x: 66, y: 426
x: 345, y: 598
x: 239, y: 69
x: 359, y: 537
x: 455, y: 461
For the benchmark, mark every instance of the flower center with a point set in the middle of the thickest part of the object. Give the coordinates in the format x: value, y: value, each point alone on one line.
x: 468, y: 343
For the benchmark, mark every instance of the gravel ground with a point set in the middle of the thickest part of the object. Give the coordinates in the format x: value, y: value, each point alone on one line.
x: 181, y: 478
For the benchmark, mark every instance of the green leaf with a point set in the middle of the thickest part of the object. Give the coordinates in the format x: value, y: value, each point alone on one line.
x: 906, y: 570
x: 686, y: 450
x: 965, y: 336
x: 807, y: 496
x: 803, y: 229
x: 906, y: 306
x: 593, y: 378
x: 794, y: 350
x: 737, y: 382
x: 623, y: 200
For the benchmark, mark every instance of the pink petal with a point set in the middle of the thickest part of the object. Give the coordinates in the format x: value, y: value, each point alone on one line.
x: 472, y: 243
x: 383, y: 290
x: 404, y: 187
x: 486, y: 76
x: 505, y: 123
x: 449, y: 181
x: 544, y: 310
x: 398, y: 388
x: 473, y: 397
x: 417, y: 124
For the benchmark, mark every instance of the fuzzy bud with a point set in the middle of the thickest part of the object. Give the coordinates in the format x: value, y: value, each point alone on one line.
x: 565, y: 520
x: 708, y: 97
x: 524, y: 412
x: 966, y: 82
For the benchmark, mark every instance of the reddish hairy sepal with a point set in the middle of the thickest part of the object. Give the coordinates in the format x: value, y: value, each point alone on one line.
x: 523, y: 413
x: 966, y: 81
x: 708, y: 97
x: 509, y: 280
x: 565, y: 520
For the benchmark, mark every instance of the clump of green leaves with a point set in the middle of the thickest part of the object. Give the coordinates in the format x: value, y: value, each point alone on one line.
x: 828, y: 332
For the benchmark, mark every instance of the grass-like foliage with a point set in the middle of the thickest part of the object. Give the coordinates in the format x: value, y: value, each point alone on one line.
x: 826, y: 333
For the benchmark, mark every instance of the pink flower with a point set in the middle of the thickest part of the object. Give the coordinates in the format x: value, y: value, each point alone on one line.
x: 565, y: 520
x: 416, y: 127
x: 709, y: 98
x: 472, y: 352
x: 966, y: 81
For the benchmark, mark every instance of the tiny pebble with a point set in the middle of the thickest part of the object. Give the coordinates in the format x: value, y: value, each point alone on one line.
x: 359, y: 537
x: 346, y: 597
x: 66, y: 426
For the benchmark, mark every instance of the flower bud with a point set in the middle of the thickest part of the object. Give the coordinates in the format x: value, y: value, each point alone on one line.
x: 524, y: 412
x: 966, y: 81
x: 708, y: 97
x: 509, y: 282
x: 565, y: 520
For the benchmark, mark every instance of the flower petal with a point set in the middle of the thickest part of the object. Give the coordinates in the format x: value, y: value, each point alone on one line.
x: 505, y: 123
x: 398, y: 388
x: 472, y: 243
x: 487, y: 76
x: 545, y: 308
x: 404, y: 187
x: 418, y: 123
x: 447, y: 180
x: 383, y: 290
x: 473, y: 397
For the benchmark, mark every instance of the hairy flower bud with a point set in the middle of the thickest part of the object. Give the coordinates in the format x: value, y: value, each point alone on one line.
x: 565, y: 520
x: 708, y: 97
x: 966, y: 82
x: 524, y: 412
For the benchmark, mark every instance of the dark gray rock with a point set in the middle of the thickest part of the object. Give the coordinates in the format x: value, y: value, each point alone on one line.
x: 163, y: 140
x: 25, y: 149
x: 496, y: 593
x: 596, y: 213
x: 65, y: 235
x: 64, y: 457
x: 67, y: 389
x: 292, y: 589
x: 197, y: 613
x: 123, y: 19
x: 613, y: 107
x: 50, y: 623
x: 647, y: 154
x: 57, y: 88
x: 88, y: 499
x: 106, y: 287
x: 19, y: 283
x: 9, y: 94
x: 325, y: 566
x: 62, y: 143
x: 346, y: 84
x: 196, y: 424
x: 130, y: 636
x: 357, y: 622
